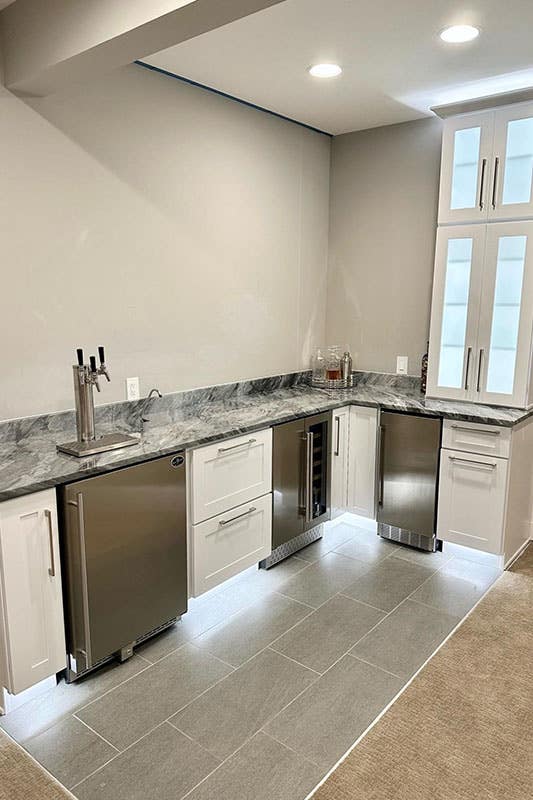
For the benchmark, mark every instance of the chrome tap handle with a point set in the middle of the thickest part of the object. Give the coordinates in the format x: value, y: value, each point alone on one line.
x: 103, y: 369
x: 94, y: 373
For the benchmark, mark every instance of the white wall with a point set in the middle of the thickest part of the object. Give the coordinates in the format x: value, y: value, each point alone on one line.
x: 184, y: 231
x: 384, y: 193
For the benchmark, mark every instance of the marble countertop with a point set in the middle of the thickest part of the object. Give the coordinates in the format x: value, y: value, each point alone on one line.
x: 32, y: 462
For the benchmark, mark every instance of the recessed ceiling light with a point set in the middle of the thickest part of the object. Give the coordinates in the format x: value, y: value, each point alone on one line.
x: 457, y: 34
x: 325, y: 70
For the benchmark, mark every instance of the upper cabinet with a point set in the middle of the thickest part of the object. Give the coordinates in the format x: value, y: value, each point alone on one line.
x: 487, y: 166
x: 482, y: 314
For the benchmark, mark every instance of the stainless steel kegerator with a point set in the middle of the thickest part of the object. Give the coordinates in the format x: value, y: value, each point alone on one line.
x: 124, y: 541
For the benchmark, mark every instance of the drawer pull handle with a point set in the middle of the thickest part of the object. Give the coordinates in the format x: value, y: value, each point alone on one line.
x: 239, y: 516
x: 486, y: 464
x: 473, y: 430
x: 52, y: 567
x: 235, y: 446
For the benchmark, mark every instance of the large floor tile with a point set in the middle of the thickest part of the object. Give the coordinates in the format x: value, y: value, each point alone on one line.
x: 328, y: 633
x: 264, y: 581
x: 137, y: 706
x: 164, y: 765
x: 39, y: 714
x: 388, y: 583
x: 406, y: 638
x: 237, y: 707
x: 433, y: 560
x: 262, y: 769
x: 457, y: 587
x: 70, y: 751
x: 322, y: 580
x: 367, y: 546
x: 326, y: 719
x: 251, y: 630
x: 333, y: 537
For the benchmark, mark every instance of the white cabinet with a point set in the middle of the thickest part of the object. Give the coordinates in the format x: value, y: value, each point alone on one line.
x: 231, y: 542
x: 487, y: 166
x: 229, y: 473
x: 230, y: 508
x: 339, y: 460
x: 362, y: 461
x: 472, y: 497
x: 482, y: 314
x: 32, y: 636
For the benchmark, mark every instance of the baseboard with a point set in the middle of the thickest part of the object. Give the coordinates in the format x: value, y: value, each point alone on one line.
x: 518, y: 553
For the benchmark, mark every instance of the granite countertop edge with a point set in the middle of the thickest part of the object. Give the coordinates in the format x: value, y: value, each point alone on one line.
x: 34, y: 465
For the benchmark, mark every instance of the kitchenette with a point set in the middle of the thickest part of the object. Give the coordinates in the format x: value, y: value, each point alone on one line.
x: 241, y: 557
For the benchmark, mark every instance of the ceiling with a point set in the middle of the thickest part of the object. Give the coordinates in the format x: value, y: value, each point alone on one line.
x: 395, y: 66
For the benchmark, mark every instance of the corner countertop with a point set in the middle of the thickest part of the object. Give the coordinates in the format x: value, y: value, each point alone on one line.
x: 32, y: 463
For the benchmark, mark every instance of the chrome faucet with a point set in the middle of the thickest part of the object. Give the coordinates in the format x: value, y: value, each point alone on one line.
x: 146, y: 403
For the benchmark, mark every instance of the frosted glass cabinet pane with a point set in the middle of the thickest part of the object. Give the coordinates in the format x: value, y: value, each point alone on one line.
x: 506, y: 314
x: 518, y: 162
x: 465, y: 167
x: 455, y: 312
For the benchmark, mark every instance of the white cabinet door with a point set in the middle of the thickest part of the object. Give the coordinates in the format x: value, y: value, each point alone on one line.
x: 466, y: 168
x: 511, y: 195
x: 32, y: 605
x: 227, y: 544
x: 455, y: 312
x: 229, y: 473
x: 362, y: 461
x: 472, y: 494
x: 506, y: 319
x: 339, y: 461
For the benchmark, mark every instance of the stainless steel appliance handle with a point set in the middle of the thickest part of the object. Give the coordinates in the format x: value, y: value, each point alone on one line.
x: 495, y: 181
x: 481, y: 354
x: 309, y: 477
x: 235, y: 446
x: 467, y: 371
x: 84, y: 581
x: 482, y: 183
x: 52, y: 567
x: 338, y: 435
x: 487, y: 464
x: 473, y: 430
x: 381, y: 476
x: 238, y: 516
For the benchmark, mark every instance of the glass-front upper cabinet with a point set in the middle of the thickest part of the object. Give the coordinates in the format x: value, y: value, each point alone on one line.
x: 465, y: 168
x: 512, y: 166
x: 455, y: 311
x: 506, y: 316
x: 482, y: 314
x: 487, y: 166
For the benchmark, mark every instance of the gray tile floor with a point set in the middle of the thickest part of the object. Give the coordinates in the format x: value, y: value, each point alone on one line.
x: 266, y: 681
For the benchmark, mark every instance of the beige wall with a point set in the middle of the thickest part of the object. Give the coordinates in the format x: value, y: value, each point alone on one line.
x: 185, y: 232
x: 384, y: 191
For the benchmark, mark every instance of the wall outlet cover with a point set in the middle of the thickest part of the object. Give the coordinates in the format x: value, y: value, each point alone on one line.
x: 133, y: 391
x: 402, y: 365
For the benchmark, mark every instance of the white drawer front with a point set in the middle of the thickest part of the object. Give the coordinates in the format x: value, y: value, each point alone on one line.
x: 229, y: 473
x: 233, y: 541
x: 475, y: 438
x: 472, y: 496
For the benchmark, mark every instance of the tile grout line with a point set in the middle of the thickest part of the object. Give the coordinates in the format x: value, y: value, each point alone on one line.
x: 294, y: 661
x: 95, y: 732
x: 288, y: 747
x: 375, y: 666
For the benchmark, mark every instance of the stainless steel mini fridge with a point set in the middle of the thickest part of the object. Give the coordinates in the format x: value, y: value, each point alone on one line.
x: 124, y: 541
x: 408, y: 459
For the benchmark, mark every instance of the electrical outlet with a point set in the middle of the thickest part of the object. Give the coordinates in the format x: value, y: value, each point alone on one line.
x: 401, y: 365
x: 133, y: 391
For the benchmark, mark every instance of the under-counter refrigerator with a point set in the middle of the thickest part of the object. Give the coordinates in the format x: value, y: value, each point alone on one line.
x: 408, y: 473
x: 124, y: 540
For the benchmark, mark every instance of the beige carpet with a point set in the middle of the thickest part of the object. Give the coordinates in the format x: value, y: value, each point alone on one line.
x: 21, y: 778
x: 463, y: 730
